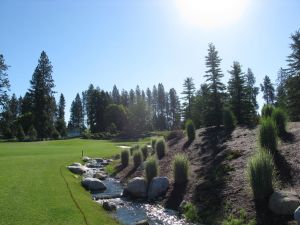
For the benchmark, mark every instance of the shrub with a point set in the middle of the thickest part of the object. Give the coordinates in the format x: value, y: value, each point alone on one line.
x: 190, y: 212
x: 151, y: 169
x: 144, y: 150
x: 137, y: 158
x: 280, y: 118
x: 260, y: 171
x: 180, y: 169
x: 175, y: 134
x: 124, y: 158
x: 20, y: 133
x: 190, y: 129
x: 32, y: 133
x: 55, y: 134
x: 160, y: 148
x: 134, y: 148
x: 153, y: 143
x: 267, y: 110
x: 229, y: 120
x: 268, y: 134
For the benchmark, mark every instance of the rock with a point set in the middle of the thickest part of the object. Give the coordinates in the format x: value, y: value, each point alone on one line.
x: 100, y: 176
x: 158, y: 187
x: 136, y: 187
x: 77, y: 169
x: 85, y: 158
x: 105, y: 162
x: 93, y: 184
x: 142, y: 222
x: 99, y: 160
x: 284, y: 202
x: 76, y: 164
x: 297, y: 215
x: 108, y: 206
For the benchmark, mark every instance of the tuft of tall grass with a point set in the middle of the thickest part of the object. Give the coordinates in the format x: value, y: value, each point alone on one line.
x: 268, y: 138
x: 229, y: 120
x: 280, y: 119
x: 151, y: 169
x: 144, y: 150
x: 124, y: 158
x: 180, y: 169
x: 260, y: 171
x: 153, y: 143
x: 190, y: 129
x: 134, y: 148
x: 267, y: 110
x: 160, y: 148
x: 137, y: 158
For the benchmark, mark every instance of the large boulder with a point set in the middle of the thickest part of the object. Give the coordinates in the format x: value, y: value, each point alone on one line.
x: 158, y: 187
x: 284, y: 202
x: 297, y: 215
x: 76, y: 164
x: 93, y: 184
x: 136, y: 187
x: 77, y: 169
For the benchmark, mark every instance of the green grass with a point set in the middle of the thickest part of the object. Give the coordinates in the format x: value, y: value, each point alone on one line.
x: 33, y: 191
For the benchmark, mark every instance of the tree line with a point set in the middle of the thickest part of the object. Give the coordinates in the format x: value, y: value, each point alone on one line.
x: 37, y: 114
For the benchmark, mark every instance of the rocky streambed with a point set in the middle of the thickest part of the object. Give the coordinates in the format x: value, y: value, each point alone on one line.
x: 118, y: 199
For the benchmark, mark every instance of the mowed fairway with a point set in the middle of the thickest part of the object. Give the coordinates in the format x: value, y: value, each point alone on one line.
x: 33, y: 191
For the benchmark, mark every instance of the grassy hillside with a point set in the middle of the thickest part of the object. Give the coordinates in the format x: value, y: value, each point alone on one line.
x: 33, y: 190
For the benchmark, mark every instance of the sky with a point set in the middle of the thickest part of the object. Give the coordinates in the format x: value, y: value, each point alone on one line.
x: 142, y: 42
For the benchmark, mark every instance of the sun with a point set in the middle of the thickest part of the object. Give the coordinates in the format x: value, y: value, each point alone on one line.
x: 211, y: 13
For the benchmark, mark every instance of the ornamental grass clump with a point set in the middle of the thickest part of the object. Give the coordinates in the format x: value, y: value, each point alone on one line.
x: 144, y: 150
x: 137, y: 158
x: 280, y: 119
x: 267, y: 110
x: 124, y: 158
x: 151, y: 169
x: 160, y: 148
x: 153, y: 143
x: 190, y: 129
x: 268, y: 134
x: 180, y: 169
x: 260, y: 171
x: 134, y: 148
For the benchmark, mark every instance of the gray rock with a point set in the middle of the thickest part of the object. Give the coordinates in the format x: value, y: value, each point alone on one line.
x: 158, y: 187
x: 85, y: 158
x: 99, y: 160
x: 76, y: 164
x: 136, y: 187
x: 284, y: 202
x: 109, y: 206
x: 93, y: 184
x: 77, y: 169
x: 100, y: 176
x: 297, y: 215
x: 142, y: 222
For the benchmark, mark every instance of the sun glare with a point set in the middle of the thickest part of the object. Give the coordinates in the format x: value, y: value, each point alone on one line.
x: 211, y: 13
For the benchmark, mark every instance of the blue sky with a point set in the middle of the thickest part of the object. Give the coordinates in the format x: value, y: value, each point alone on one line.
x: 138, y: 42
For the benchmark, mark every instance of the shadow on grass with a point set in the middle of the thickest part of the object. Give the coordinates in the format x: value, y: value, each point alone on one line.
x: 176, y: 196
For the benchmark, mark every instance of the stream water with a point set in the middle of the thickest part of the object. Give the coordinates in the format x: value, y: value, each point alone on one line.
x: 129, y: 212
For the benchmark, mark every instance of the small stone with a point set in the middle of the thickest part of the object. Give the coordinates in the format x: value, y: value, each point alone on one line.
x: 85, y: 158
x: 108, y: 206
x: 77, y: 169
x: 100, y: 176
x: 142, y: 222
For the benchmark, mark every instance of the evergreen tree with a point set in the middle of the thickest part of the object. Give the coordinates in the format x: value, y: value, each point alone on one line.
x: 115, y: 95
x: 293, y: 97
x: 149, y: 97
x: 174, y: 109
x: 216, y: 87
x: 161, y: 106
x: 188, y: 94
x: 294, y: 58
x: 268, y: 90
x: 42, y: 94
x: 60, y: 122
x: 131, y: 97
x: 281, y: 91
x: 4, y: 82
x: 252, y: 90
x: 76, y: 118
x: 124, y: 98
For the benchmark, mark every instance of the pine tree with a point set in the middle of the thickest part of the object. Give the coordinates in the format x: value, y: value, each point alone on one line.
x: 294, y: 58
x: 216, y: 87
x: 174, y: 109
x: 268, y: 90
x: 281, y: 92
x: 161, y: 107
x: 124, y: 98
x: 188, y: 94
x: 42, y: 93
x: 60, y: 122
x: 76, y: 117
x: 131, y: 97
x: 4, y: 82
x: 115, y: 95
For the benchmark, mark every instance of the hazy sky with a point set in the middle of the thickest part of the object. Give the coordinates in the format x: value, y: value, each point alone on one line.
x: 142, y: 42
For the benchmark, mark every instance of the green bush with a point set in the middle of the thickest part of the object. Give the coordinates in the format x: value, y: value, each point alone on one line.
x: 267, y: 110
x: 20, y: 133
x: 268, y: 134
x: 153, y: 143
x: 55, y: 134
x: 229, y: 120
x: 260, y: 171
x: 190, y: 212
x: 151, y: 169
x: 144, y: 150
x: 160, y: 148
x: 32, y: 133
x: 190, y: 129
x: 180, y: 169
x: 124, y: 158
x: 280, y: 118
x: 137, y: 158
x: 134, y: 148
x: 241, y: 219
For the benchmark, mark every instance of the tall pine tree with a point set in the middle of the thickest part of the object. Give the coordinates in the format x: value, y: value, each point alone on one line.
x: 4, y: 82
x: 188, y: 95
x: 268, y: 90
